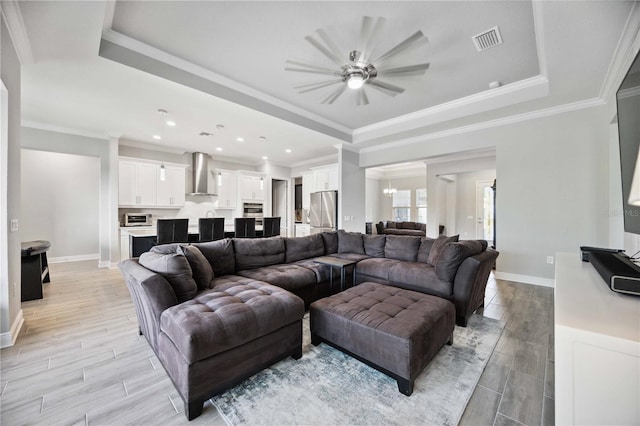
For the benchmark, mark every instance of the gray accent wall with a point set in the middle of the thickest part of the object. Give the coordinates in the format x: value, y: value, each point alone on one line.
x: 10, y: 290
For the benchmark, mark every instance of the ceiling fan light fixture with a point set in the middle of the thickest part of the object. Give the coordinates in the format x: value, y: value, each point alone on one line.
x: 355, y: 80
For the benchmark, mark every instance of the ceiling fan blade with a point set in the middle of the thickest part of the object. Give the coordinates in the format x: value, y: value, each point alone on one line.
x: 314, y: 86
x: 370, y: 31
x: 331, y: 45
x: 387, y: 88
x: 312, y: 67
x: 315, y: 43
x: 417, y: 69
x: 312, y: 71
x: 412, y: 41
x: 362, y: 98
x: 334, y: 95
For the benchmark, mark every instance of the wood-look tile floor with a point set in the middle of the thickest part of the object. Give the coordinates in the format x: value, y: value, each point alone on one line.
x: 79, y: 359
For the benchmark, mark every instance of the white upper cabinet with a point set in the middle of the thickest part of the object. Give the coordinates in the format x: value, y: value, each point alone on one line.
x: 171, y: 190
x: 227, y: 190
x: 326, y: 179
x: 252, y: 187
x: 140, y: 184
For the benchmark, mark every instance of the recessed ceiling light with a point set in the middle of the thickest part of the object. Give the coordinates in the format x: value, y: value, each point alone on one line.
x: 218, y: 149
x: 262, y: 138
x: 157, y: 137
x: 240, y: 139
x: 171, y: 123
x: 288, y: 151
x: 265, y: 158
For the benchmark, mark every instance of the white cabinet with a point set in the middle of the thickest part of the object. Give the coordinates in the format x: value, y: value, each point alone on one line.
x: 308, y: 186
x: 326, y: 179
x: 137, y: 183
x: 227, y: 190
x: 171, y: 190
x: 302, y: 230
x: 252, y: 187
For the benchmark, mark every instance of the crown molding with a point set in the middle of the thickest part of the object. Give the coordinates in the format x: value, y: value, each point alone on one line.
x: 627, y: 93
x: 109, y: 12
x: 538, y: 30
x: 347, y: 147
x: 523, y: 90
x: 624, y: 54
x: 66, y: 130
x: 328, y: 159
x: 18, y: 31
x: 560, y: 109
x: 151, y: 147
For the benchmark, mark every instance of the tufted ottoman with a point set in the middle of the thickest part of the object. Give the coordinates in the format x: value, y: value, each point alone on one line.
x: 224, y: 335
x: 393, y: 330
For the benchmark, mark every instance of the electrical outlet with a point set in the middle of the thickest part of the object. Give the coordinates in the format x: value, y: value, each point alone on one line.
x: 550, y: 260
x: 346, y: 218
x: 14, y: 225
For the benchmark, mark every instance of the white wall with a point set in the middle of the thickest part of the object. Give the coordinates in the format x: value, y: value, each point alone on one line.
x: 351, y: 197
x: 60, y: 203
x: 466, y: 202
x: 373, y: 190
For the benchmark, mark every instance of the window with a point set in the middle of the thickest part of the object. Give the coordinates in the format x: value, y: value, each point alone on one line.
x: 421, y: 204
x: 402, y: 205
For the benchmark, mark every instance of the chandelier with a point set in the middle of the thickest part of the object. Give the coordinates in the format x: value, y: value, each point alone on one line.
x: 389, y: 191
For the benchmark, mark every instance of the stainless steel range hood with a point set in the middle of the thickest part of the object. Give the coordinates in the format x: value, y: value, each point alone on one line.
x: 204, y: 180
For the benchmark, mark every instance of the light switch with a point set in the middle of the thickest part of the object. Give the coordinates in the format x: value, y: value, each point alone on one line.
x: 14, y: 225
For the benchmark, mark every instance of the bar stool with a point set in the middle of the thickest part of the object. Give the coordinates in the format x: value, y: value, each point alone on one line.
x: 210, y: 228
x: 172, y: 231
x: 271, y: 226
x: 245, y: 227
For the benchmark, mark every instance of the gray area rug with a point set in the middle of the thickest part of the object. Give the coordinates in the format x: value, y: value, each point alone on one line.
x: 327, y: 387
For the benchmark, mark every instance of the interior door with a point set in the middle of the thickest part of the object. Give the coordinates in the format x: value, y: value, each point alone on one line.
x: 485, y: 220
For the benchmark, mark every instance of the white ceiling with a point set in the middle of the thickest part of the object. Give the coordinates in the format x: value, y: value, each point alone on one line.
x: 104, y: 68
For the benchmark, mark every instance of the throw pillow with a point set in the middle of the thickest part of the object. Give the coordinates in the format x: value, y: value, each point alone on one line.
x: 374, y: 245
x: 407, y: 225
x: 175, y: 269
x: 402, y: 247
x: 452, y: 255
x: 299, y: 248
x: 330, y: 242
x: 350, y: 242
x: 425, y: 248
x: 200, y: 266
x: 220, y: 255
x: 391, y: 225
x: 438, y: 244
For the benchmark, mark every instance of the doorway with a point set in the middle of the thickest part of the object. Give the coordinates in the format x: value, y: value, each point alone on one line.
x: 485, y: 212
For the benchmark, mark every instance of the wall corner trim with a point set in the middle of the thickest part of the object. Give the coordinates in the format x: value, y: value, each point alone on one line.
x: 526, y: 279
x: 9, y: 338
x: 15, y: 24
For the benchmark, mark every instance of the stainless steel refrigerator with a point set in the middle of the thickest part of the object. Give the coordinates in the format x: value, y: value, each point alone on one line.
x: 323, y: 214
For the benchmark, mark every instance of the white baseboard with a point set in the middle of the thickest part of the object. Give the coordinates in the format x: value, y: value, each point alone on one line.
x: 526, y: 279
x: 75, y: 258
x: 107, y: 264
x: 9, y: 338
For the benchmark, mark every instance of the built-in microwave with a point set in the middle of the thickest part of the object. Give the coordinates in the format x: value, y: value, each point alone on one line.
x: 137, y: 219
x: 253, y: 210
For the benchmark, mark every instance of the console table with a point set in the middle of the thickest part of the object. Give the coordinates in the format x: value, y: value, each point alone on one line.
x: 35, y: 269
x: 597, y: 348
x: 338, y: 263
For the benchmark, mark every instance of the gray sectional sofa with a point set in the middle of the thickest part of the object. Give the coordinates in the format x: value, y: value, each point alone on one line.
x: 389, y: 227
x: 216, y: 313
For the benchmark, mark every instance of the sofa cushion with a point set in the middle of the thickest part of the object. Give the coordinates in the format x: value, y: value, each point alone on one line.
x: 166, y: 248
x: 350, y: 242
x: 407, y: 225
x: 453, y: 254
x: 402, y: 247
x: 254, y: 253
x: 298, y: 248
x: 200, y: 266
x: 425, y: 248
x: 330, y: 242
x: 219, y: 319
x: 220, y: 255
x: 377, y: 267
x: 374, y: 245
x: 174, y: 267
x: 438, y: 244
x: 420, y: 277
x: 322, y: 271
x: 391, y: 224
x: 421, y: 226
x: 288, y: 276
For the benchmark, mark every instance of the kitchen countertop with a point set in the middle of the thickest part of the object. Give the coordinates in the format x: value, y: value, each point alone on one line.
x: 149, y: 231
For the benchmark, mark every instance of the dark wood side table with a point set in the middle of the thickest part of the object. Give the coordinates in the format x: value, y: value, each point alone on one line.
x: 34, y: 269
x: 336, y: 262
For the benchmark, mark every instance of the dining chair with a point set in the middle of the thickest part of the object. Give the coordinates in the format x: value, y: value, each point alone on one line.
x: 210, y: 228
x: 270, y: 226
x: 245, y: 227
x: 172, y: 231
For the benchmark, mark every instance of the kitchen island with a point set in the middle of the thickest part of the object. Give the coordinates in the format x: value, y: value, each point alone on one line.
x: 136, y: 240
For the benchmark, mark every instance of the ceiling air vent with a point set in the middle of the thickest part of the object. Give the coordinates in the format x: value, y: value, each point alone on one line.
x: 487, y: 39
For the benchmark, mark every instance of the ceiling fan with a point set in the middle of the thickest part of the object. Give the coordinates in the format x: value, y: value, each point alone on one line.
x: 359, y: 68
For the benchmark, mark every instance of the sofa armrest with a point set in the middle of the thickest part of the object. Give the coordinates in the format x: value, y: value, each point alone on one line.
x: 379, y: 227
x: 471, y: 281
x: 151, y: 293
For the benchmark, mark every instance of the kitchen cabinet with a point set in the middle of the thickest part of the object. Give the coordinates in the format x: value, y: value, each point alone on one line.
x: 171, y: 190
x: 227, y: 190
x: 308, y: 186
x: 326, y: 179
x: 252, y: 187
x: 137, y: 183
